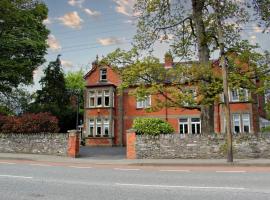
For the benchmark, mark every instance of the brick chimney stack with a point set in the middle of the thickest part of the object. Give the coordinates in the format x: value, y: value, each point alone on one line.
x: 168, y: 60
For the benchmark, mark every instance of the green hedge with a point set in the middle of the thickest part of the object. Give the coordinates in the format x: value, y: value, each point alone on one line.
x: 152, y: 126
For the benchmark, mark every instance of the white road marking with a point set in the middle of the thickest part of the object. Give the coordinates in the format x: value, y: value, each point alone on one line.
x: 12, y: 176
x: 181, y: 186
x: 231, y: 171
x: 80, y: 167
x: 8, y: 163
x: 42, y: 165
x: 174, y: 170
x: 126, y: 169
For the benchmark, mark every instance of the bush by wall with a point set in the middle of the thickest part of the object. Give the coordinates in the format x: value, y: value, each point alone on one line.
x: 152, y: 126
x: 29, y: 123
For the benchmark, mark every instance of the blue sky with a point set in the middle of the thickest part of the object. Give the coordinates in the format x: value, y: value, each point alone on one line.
x: 81, y: 29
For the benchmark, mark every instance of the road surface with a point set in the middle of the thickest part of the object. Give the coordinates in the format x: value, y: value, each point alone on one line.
x: 50, y: 181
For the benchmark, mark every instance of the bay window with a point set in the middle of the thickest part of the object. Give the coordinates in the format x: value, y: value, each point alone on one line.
x: 100, y: 127
x: 101, y: 98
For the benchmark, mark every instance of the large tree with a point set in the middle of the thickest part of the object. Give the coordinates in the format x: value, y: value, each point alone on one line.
x: 22, y: 41
x: 53, y: 96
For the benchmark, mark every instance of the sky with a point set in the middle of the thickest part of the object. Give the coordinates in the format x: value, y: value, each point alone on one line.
x: 82, y: 29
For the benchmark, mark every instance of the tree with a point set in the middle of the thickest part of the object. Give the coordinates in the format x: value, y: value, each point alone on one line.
x: 23, y: 41
x: 15, y: 103
x: 194, y: 28
x: 53, y: 96
x: 75, y: 85
x: 262, y: 9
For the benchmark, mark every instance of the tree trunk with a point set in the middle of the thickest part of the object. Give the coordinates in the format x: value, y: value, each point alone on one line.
x: 225, y: 83
x: 207, y: 112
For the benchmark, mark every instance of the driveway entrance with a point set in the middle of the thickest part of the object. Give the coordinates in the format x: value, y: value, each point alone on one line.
x: 112, y: 153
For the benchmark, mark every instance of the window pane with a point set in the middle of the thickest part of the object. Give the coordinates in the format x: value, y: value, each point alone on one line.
x: 183, y: 120
x: 91, y: 130
x: 92, y: 101
x: 246, y: 129
x: 185, y: 128
x: 198, y: 126
x: 195, y: 119
x: 193, y: 129
x: 99, y: 101
x: 107, y: 101
x: 106, y: 130
x: 237, y: 129
x: 103, y: 74
x: 181, y: 128
x: 99, y: 130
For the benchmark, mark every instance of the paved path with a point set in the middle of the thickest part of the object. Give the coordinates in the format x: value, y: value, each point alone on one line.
x: 120, y: 160
x: 84, y: 181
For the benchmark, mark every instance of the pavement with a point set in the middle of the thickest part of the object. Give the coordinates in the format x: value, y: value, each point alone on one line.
x: 120, y: 160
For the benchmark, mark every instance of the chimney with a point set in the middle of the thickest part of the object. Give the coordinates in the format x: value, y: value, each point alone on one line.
x: 168, y: 60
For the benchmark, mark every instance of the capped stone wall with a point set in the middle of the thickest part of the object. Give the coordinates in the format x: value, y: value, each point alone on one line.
x: 35, y: 143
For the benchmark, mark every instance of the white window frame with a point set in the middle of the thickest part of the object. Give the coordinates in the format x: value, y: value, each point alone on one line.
x: 235, y: 98
x: 91, y: 125
x: 238, y: 121
x: 92, y: 94
x: 246, y: 122
x: 106, y: 93
x: 99, y: 95
x: 196, y: 125
x: 183, y: 125
x: 101, y: 73
x: 106, y: 124
x: 238, y: 97
x: 98, y: 124
x: 146, y: 103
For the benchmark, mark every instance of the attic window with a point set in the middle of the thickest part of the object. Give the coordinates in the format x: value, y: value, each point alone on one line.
x: 103, y: 75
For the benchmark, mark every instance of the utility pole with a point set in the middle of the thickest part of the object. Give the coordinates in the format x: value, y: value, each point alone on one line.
x: 224, y: 67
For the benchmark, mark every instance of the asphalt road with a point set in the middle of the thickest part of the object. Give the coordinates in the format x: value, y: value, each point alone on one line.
x: 24, y: 181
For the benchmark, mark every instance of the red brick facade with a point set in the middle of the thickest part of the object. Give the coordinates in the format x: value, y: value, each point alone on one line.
x: 109, y: 114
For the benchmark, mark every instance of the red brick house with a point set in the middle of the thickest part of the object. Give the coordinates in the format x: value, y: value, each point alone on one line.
x: 109, y: 114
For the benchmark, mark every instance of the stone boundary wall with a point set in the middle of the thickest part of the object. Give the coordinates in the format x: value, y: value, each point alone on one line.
x: 198, y: 147
x: 35, y: 143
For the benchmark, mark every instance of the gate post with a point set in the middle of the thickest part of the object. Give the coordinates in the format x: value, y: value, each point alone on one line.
x: 73, y: 143
x: 131, y: 140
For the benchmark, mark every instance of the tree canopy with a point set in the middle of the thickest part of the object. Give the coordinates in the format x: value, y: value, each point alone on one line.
x: 22, y: 41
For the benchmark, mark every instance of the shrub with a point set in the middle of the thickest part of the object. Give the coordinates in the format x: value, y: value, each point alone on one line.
x: 266, y: 129
x: 152, y: 126
x: 29, y: 123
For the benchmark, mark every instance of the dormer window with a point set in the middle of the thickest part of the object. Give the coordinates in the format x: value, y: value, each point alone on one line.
x: 103, y: 75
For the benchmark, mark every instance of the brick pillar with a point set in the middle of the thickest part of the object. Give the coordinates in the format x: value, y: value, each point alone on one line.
x: 131, y: 140
x: 73, y: 143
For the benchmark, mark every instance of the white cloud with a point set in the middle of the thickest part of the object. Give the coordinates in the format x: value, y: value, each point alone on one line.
x: 47, y: 21
x: 109, y: 41
x: 66, y: 63
x: 76, y: 3
x: 72, y: 20
x: 124, y: 7
x: 92, y: 13
x: 53, y: 43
